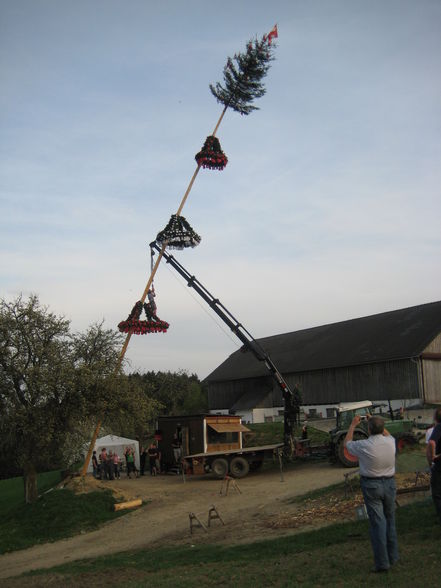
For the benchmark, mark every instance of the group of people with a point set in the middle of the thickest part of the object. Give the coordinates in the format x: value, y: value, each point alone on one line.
x: 376, y: 456
x: 154, y: 456
x: 107, y: 465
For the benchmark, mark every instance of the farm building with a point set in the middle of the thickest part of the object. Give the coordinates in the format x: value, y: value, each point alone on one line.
x: 393, y: 356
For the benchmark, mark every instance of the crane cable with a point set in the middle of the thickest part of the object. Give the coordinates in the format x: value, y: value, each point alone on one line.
x: 188, y: 290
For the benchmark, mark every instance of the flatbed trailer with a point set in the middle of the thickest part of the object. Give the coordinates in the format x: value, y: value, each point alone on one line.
x: 237, y: 462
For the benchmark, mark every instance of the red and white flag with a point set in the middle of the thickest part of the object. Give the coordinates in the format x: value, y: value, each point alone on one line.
x: 273, y: 34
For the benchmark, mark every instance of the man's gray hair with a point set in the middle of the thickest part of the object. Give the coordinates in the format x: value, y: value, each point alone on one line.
x: 376, y: 425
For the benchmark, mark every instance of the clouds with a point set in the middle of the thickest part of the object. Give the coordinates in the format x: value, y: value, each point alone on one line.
x: 328, y: 209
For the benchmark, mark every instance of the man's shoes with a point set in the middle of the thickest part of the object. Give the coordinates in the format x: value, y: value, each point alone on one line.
x: 379, y: 570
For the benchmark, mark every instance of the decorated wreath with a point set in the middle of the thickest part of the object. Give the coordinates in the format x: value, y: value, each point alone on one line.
x: 134, y: 325
x: 211, y: 155
x: 178, y: 234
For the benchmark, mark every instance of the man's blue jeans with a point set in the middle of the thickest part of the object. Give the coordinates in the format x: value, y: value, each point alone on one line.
x: 379, y: 497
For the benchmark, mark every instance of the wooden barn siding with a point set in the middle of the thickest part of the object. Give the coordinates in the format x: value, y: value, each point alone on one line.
x: 434, y: 346
x: 432, y: 381
x: 381, y: 381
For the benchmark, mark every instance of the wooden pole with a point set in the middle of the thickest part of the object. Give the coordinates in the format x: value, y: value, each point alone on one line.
x: 144, y: 295
x: 91, y: 446
x: 129, y: 504
x: 161, y: 253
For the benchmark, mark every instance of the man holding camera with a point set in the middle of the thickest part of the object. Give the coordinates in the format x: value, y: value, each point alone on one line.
x: 376, y: 456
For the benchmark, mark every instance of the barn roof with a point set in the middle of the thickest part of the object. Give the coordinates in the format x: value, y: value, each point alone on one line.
x: 394, y: 335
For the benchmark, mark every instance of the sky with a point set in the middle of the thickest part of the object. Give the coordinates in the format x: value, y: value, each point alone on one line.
x: 329, y: 208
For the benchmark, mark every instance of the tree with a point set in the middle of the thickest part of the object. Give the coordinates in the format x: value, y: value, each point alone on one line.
x: 243, y: 76
x: 53, y: 382
x: 177, y: 392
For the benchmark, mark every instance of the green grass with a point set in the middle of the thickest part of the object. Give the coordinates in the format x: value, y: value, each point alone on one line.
x: 271, y: 433
x: 12, y: 490
x: 412, y: 459
x: 55, y: 515
x: 337, y: 555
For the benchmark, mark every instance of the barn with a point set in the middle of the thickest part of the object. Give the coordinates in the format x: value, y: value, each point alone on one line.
x: 393, y: 356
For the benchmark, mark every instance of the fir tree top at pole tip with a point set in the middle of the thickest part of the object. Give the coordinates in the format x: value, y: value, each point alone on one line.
x: 244, y: 73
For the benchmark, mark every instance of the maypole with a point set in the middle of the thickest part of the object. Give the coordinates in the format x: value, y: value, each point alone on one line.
x: 243, y: 76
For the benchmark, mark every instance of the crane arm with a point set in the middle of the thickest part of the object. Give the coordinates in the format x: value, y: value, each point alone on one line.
x: 292, y: 399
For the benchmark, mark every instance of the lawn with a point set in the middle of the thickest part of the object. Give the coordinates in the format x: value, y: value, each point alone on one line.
x: 57, y: 514
x: 12, y: 490
x: 338, y: 555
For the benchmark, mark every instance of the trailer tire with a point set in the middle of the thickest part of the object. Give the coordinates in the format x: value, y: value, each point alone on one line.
x: 239, y: 467
x: 219, y: 467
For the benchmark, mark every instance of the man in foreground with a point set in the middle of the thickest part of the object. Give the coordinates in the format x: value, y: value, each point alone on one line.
x: 376, y: 456
x: 434, y: 459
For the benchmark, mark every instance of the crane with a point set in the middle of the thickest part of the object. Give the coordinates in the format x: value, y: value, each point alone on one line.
x: 292, y: 398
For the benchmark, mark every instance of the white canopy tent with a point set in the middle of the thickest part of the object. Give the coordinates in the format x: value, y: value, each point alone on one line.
x: 114, y: 443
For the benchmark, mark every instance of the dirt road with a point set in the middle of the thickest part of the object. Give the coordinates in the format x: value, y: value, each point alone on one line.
x: 165, y: 519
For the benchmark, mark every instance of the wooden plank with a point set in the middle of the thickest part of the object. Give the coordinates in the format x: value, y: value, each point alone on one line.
x: 129, y: 504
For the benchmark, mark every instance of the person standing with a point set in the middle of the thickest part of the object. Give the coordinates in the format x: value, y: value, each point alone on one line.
x: 376, y: 456
x: 116, y: 468
x: 153, y: 456
x: 142, y: 458
x: 429, y: 433
x: 110, y: 466
x: 95, y: 465
x: 434, y: 458
x: 176, y: 446
x: 131, y: 467
x: 103, y: 464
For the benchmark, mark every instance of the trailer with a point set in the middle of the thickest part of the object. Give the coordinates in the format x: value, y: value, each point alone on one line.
x: 209, y: 444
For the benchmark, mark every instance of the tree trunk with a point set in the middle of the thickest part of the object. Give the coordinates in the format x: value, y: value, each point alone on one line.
x: 30, y: 483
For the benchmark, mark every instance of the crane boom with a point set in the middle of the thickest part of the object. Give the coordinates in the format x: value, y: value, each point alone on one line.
x: 292, y: 399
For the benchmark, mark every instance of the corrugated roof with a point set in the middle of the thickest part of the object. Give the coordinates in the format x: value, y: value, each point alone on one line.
x: 398, y: 334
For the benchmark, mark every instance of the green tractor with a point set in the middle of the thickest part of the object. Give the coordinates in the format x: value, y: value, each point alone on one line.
x: 401, y: 429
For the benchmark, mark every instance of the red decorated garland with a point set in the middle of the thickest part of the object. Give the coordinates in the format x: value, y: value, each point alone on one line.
x: 134, y: 325
x: 211, y: 155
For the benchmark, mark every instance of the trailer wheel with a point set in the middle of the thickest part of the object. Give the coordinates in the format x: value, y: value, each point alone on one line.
x: 219, y: 467
x: 239, y: 467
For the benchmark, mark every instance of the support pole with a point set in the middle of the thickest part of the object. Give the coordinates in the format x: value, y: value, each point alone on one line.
x: 91, y: 446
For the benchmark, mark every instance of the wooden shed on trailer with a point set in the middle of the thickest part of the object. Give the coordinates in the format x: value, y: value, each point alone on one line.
x: 202, y: 433
x: 389, y: 356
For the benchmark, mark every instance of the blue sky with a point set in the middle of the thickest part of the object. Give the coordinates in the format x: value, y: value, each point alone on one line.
x: 329, y: 208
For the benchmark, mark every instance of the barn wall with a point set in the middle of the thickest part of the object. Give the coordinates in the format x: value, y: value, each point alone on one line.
x: 391, y: 380
x: 386, y: 380
x: 225, y: 394
x: 432, y: 380
x: 434, y: 346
